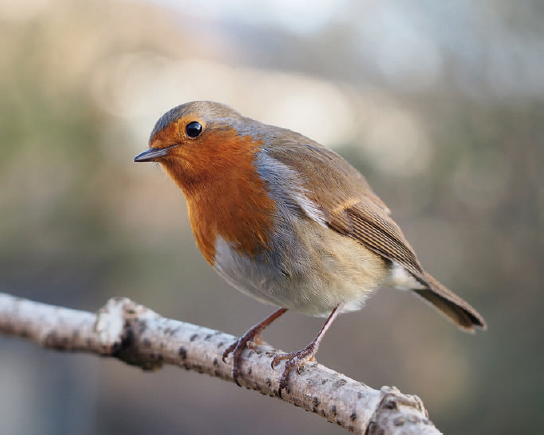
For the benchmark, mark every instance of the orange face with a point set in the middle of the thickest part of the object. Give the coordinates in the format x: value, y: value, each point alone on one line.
x: 215, y: 168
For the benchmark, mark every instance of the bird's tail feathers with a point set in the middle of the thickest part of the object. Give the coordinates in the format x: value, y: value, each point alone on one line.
x: 451, y: 305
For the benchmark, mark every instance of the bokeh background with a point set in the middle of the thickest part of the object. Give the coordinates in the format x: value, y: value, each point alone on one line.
x: 439, y: 104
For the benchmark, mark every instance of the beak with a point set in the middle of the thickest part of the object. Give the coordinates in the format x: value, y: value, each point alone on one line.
x: 152, y: 154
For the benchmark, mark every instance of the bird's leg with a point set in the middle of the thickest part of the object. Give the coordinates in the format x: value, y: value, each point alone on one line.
x: 298, y: 358
x: 253, y: 334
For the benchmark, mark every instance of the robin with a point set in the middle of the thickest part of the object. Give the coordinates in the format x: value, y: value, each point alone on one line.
x: 287, y: 221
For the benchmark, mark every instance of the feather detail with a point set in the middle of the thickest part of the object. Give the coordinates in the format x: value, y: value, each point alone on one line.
x: 225, y: 196
x: 354, y: 210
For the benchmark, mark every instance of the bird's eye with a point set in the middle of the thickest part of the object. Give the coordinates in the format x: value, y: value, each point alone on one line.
x: 193, y: 129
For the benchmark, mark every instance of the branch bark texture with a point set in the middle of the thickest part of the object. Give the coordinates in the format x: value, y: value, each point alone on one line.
x: 138, y: 336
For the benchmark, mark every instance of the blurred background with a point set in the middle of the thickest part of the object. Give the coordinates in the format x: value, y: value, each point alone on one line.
x: 439, y: 104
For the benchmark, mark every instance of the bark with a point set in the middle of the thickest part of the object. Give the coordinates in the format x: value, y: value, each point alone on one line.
x: 138, y: 336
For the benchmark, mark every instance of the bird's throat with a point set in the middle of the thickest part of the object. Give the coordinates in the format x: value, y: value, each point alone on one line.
x: 230, y: 200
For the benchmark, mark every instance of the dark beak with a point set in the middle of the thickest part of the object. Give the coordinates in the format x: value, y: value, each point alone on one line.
x: 151, y: 155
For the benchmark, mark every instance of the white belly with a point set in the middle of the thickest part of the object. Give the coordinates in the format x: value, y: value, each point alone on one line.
x: 310, y: 269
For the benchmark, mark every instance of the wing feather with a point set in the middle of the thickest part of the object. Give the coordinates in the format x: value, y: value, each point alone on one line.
x: 352, y: 209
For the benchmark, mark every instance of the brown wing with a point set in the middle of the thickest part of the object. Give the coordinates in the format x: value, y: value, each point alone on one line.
x: 381, y: 235
x: 346, y: 198
x: 354, y: 210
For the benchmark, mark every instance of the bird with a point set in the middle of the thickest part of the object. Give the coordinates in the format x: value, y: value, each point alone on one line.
x: 287, y: 221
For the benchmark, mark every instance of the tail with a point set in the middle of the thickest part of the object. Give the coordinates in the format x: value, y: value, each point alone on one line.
x: 451, y: 305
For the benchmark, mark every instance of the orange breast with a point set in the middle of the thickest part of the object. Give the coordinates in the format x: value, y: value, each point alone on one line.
x: 225, y: 195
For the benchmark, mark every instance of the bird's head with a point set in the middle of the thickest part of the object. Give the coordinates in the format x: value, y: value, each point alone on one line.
x: 201, y: 140
x: 209, y: 150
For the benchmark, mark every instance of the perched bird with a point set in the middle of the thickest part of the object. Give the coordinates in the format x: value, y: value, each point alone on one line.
x: 287, y: 221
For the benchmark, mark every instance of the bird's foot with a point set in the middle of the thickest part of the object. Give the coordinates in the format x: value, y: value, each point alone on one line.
x: 294, y: 360
x: 253, y: 336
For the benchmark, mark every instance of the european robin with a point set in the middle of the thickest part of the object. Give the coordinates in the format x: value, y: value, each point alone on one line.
x: 287, y: 221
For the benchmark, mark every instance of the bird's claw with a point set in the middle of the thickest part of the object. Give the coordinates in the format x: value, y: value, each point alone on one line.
x: 237, y: 348
x: 253, y: 335
x: 229, y: 350
x: 294, y: 360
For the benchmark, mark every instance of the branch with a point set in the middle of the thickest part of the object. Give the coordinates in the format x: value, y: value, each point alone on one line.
x: 138, y: 336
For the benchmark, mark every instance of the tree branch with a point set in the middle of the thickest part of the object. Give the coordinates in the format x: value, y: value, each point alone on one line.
x: 138, y: 336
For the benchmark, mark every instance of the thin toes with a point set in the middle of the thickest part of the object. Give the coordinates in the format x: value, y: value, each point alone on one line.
x: 228, y: 351
x: 235, y: 375
x: 284, y: 380
x: 236, y: 350
x: 278, y: 358
x: 294, y: 360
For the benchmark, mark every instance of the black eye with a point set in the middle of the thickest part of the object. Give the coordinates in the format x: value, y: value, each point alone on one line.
x: 193, y: 129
